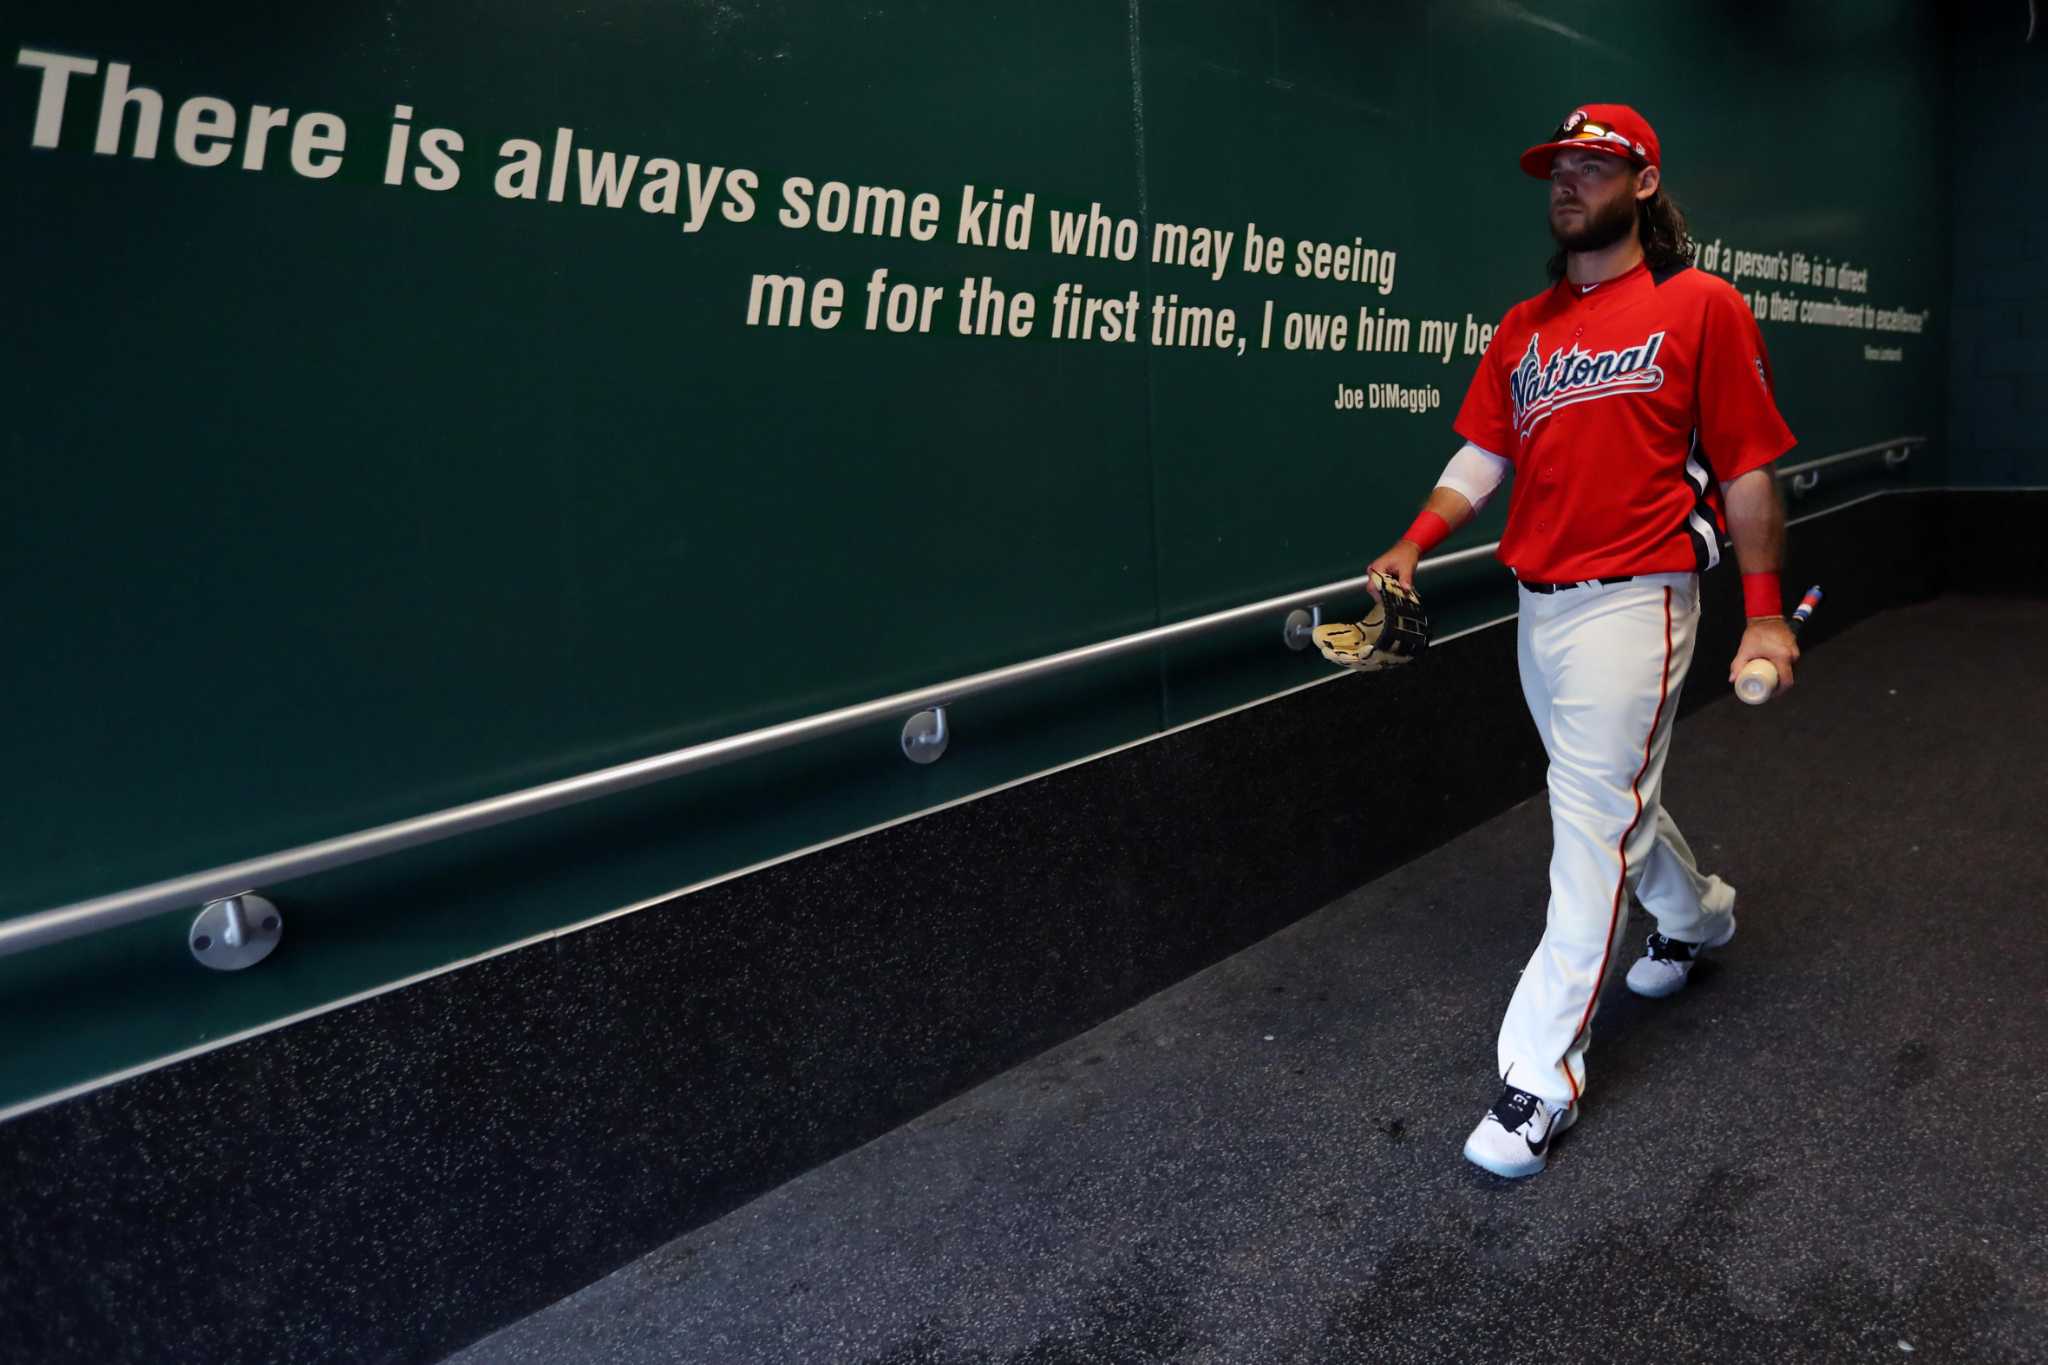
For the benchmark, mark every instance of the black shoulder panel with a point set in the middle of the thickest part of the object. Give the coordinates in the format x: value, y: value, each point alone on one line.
x: 1659, y: 276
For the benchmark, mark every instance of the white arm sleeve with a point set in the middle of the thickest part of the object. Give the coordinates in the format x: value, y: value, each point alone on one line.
x: 1475, y: 473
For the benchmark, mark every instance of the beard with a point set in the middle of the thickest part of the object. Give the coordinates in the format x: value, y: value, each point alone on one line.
x: 1598, y: 228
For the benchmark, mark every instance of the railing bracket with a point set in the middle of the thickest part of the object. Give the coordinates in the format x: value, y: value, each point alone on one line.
x: 235, y: 932
x: 1301, y: 625
x: 925, y: 736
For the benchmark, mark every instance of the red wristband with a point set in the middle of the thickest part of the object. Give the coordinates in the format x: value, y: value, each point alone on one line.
x: 1429, y: 531
x: 1761, y: 595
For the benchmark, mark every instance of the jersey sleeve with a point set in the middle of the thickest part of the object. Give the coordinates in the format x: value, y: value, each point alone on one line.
x: 1486, y: 417
x: 1739, y: 423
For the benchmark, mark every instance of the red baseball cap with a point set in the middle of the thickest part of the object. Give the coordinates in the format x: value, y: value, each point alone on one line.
x: 1614, y: 129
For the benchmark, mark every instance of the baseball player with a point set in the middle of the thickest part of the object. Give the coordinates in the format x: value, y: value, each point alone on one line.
x: 1632, y: 404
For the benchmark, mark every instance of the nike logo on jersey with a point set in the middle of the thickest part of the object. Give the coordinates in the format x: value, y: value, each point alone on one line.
x: 1573, y: 375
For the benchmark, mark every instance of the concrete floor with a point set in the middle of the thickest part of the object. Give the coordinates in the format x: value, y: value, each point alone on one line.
x: 1829, y: 1148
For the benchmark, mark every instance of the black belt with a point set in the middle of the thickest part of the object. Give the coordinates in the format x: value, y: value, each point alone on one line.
x: 1561, y: 587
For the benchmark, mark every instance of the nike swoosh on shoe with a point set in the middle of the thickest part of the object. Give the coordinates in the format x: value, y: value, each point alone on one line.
x: 1558, y: 1123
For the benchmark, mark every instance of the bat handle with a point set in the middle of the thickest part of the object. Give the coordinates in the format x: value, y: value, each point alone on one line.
x: 1805, y: 609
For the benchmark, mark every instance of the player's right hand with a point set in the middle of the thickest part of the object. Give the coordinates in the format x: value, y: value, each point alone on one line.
x: 1398, y: 563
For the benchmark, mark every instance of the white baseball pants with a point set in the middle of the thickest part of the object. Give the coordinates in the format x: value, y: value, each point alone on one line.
x: 1601, y: 668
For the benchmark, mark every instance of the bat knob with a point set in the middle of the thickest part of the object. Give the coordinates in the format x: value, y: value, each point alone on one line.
x: 1757, y: 681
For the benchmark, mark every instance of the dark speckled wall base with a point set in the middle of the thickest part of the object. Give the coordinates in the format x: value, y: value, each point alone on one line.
x: 389, y: 1181
x: 1993, y: 541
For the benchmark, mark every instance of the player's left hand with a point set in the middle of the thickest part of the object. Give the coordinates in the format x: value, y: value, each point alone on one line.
x: 1768, y: 638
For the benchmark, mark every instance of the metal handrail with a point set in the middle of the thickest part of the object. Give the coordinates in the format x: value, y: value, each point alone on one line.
x: 239, y: 878
x: 198, y: 888
x: 1897, y: 443
x: 1896, y: 452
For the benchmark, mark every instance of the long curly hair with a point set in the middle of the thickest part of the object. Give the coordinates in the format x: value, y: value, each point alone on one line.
x: 1660, y: 223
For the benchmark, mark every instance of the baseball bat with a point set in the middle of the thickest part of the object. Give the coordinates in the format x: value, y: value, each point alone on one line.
x: 1758, y: 679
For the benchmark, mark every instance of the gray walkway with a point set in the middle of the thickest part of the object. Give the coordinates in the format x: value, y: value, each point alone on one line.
x: 1830, y: 1148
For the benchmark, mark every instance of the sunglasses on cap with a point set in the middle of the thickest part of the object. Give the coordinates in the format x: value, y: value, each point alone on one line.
x: 1590, y: 131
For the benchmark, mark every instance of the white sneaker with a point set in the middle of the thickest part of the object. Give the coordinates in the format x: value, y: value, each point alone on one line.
x: 1667, y: 962
x: 1514, y: 1138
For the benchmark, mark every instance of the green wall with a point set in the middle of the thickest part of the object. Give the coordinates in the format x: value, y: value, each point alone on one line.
x: 336, y: 501
x: 1998, y: 392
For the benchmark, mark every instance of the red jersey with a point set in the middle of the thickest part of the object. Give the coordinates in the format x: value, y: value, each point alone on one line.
x: 1624, y: 407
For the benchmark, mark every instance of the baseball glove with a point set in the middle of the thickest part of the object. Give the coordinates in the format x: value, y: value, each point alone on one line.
x: 1396, y: 632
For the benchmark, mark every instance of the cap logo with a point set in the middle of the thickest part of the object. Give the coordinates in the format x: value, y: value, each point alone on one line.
x: 1573, y: 120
